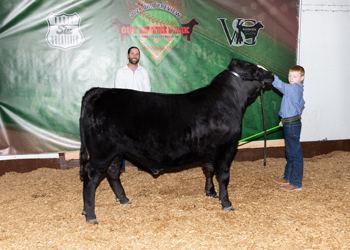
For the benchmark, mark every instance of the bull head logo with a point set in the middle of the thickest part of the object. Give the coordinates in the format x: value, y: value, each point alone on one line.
x: 245, y: 31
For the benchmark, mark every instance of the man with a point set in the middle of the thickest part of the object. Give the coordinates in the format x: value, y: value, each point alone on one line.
x: 132, y: 76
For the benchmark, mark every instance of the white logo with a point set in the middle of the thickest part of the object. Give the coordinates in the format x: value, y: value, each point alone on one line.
x: 64, y: 31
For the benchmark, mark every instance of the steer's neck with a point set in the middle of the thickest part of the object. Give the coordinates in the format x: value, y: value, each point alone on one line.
x: 245, y: 90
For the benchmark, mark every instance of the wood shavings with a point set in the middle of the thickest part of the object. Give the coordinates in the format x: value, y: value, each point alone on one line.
x: 42, y: 209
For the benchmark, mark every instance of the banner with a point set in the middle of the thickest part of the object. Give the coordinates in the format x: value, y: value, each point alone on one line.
x: 52, y: 52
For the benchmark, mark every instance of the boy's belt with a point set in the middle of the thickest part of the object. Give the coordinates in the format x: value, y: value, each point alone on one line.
x: 291, y: 119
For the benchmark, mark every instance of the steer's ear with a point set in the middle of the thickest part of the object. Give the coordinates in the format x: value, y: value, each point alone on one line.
x: 232, y: 64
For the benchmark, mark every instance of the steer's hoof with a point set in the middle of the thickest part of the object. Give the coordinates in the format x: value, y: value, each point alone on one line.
x: 93, y: 221
x: 212, y: 195
x: 230, y: 208
x: 123, y: 201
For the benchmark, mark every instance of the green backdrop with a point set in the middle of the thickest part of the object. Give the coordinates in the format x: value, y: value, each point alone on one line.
x: 52, y: 52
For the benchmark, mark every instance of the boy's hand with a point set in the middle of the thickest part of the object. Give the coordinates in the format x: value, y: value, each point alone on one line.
x: 259, y: 66
x: 281, y: 124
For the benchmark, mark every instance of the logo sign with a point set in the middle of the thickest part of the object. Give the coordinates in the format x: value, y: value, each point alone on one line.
x: 245, y: 31
x: 156, y: 28
x: 64, y: 31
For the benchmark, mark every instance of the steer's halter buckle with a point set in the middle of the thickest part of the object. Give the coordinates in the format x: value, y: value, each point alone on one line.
x: 235, y: 74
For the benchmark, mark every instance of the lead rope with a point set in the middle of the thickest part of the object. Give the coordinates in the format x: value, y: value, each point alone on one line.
x: 263, y: 113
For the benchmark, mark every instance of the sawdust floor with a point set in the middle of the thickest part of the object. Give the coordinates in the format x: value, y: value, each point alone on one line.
x: 42, y: 210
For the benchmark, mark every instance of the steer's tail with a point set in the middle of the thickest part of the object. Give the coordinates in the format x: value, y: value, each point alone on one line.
x: 84, y: 158
x: 84, y: 152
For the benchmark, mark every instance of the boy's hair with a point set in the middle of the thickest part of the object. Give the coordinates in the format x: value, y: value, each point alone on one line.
x: 297, y: 68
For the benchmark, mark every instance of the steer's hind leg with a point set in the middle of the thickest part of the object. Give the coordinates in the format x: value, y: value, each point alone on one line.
x: 91, y: 179
x: 113, y: 177
x: 208, y: 171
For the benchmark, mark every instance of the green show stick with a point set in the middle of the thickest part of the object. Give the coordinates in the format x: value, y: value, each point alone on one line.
x: 259, y: 133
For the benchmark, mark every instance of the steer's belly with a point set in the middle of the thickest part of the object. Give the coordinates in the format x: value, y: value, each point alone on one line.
x: 158, y: 161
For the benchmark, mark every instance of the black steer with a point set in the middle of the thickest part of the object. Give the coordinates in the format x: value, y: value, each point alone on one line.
x: 160, y: 131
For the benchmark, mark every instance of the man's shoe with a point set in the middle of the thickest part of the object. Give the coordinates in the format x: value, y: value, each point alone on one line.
x: 290, y: 188
x: 281, y: 181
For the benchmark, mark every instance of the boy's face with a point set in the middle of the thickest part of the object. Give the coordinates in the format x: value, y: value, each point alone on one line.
x: 295, y: 77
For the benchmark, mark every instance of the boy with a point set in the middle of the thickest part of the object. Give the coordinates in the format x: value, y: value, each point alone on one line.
x: 290, y: 112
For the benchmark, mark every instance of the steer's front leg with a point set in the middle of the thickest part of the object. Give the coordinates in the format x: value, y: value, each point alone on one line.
x: 208, y: 171
x: 223, y: 177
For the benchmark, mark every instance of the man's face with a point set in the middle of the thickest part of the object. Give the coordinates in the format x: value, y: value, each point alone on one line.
x: 134, y: 56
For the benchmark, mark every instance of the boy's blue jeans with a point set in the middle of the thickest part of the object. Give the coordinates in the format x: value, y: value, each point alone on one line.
x: 295, y: 164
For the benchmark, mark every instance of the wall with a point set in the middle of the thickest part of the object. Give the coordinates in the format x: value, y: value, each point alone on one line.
x: 324, y: 53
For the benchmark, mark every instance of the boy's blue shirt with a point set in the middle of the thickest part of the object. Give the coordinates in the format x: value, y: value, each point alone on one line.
x: 292, y: 100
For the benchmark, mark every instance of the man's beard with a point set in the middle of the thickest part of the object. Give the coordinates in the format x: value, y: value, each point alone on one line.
x: 134, y: 63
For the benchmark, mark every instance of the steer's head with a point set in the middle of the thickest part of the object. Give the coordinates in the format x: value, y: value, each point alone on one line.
x: 250, y: 72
